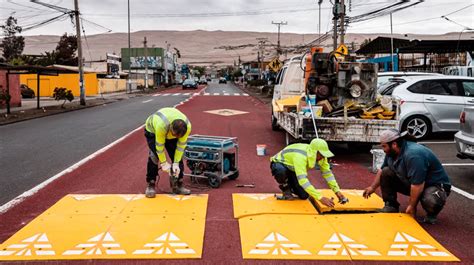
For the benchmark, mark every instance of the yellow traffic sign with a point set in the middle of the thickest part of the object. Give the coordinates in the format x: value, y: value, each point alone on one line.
x: 275, y: 65
x: 109, y: 226
x: 342, y: 50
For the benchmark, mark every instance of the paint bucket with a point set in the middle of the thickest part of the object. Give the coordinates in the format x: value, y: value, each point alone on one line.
x: 261, y: 149
x: 317, y: 111
x: 378, y: 156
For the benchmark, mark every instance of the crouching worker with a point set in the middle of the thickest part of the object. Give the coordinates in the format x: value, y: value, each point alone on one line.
x: 168, y: 128
x: 289, y: 168
x: 412, y: 170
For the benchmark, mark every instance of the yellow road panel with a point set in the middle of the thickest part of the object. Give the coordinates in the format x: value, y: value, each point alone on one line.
x: 386, y: 237
x: 286, y: 236
x: 246, y: 204
x: 74, y: 228
x: 356, y: 201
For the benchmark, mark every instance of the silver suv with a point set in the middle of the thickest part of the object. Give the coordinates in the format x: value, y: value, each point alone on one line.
x: 430, y: 103
x: 465, y: 137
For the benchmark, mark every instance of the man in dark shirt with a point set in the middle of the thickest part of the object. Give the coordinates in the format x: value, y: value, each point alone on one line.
x: 413, y: 170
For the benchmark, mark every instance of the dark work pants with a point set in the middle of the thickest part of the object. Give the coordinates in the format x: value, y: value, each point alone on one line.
x: 287, y: 180
x: 151, y: 167
x: 432, y: 199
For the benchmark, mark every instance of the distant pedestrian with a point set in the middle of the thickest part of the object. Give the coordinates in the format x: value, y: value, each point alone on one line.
x: 168, y: 128
x: 413, y: 170
x: 289, y: 168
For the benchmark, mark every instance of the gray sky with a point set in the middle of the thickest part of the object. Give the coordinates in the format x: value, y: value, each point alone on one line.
x: 243, y: 15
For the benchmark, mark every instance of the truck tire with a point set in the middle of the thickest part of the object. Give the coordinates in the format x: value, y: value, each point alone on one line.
x: 275, y: 126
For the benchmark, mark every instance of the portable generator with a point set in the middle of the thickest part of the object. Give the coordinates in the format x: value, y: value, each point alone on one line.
x: 212, y: 157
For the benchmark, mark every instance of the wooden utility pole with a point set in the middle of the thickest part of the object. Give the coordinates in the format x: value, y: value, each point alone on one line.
x: 343, y: 22
x: 279, y: 24
x: 335, y: 12
x: 146, y: 63
x: 79, y: 54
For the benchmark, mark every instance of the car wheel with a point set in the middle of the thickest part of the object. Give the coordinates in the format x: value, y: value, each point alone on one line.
x: 275, y: 126
x: 417, y: 126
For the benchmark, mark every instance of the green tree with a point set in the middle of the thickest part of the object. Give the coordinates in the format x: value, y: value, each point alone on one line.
x: 61, y: 93
x: 200, y: 69
x: 12, y: 45
x: 65, y: 51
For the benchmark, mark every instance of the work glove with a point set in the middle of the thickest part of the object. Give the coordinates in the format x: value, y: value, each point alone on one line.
x: 176, y: 169
x: 165, y: 166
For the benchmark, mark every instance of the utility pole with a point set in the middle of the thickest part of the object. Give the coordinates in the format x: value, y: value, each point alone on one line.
x: 335, y: 12
x: 319, y: 25
x: 166, y: 61
x: 391, y: 42
x: 279, y: 24
x: 79, y: 55
x: 261, y: 48
x: 129, y: 80
x: 343, y: 22
x: 146, y: 63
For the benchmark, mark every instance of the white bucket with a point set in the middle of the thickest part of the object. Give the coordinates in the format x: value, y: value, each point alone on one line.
x: 378, y: 156
x: 261, y: 149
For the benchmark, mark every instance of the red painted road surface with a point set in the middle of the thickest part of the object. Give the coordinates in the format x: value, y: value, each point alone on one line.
x: 121, y: 170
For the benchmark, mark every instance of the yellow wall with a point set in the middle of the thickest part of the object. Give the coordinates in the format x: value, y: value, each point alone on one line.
x: 69, y: 81
x: 112, y: 85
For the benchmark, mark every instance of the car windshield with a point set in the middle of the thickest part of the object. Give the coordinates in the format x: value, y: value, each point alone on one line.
x: 188, y: 81
x: 387, y: 88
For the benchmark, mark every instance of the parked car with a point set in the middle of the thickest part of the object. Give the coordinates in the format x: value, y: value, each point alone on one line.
x: 430, y: 103
x: 222, y: 80
x: 202, y: 81
x: 383, y: 77
x: 465, y: 137
x: 26, y: 92
x: 190, y: 83
x: 459, y: 70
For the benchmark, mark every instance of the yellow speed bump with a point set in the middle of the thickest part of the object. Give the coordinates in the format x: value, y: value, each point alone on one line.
x: 285, y: 236
x: 128, y: 227
x: 386, y: 237
x: 356, y: 201
x: 246, y: 204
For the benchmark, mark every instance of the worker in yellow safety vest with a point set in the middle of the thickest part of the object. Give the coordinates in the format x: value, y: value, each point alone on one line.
x: 168, y: 128
x: 289, y: 168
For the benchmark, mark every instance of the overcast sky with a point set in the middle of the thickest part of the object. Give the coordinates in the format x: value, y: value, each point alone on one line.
x: 238, y: 15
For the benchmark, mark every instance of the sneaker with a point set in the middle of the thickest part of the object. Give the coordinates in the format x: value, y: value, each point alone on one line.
x: 150, y: 191
x: 429, y: 220
x: 181, y: 190
x: 388, y: 209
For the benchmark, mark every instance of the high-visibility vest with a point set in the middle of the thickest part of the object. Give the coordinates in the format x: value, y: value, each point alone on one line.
x: 159, y: 124
x: 301, y: 157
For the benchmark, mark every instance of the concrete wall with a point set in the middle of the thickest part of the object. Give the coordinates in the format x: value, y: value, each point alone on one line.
x: 15, y: 94
x: 112, y: 85
x: 69, y: 81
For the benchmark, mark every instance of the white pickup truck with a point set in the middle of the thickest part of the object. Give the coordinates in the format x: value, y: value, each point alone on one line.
x: 359, y: 132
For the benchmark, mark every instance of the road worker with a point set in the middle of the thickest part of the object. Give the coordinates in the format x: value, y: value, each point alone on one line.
x: 289, y: 168
x: 168, y: 128
x: 413, y: 170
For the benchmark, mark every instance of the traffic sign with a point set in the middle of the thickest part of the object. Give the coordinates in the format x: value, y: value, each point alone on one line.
x: 275, y: 65
x: 342, y: 49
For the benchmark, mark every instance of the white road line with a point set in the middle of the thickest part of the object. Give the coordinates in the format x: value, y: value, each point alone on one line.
x: 226, y: 94
x: 236, y: 94
x: 176, y: 94
x: 216, y: 94
x: 35, y: 189
x: 186, y: 94
x: 166, y: 94
x: 463, y: 193
x: 156, y: 95
x: 207, y: 94
x: 457, y: 164
x: 452, y: 142
x: 147, y: 101
x: 245, y: 94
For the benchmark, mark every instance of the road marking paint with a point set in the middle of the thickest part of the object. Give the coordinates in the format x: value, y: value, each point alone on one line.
x: 280, y: 246
x: 35, y: 189
x: 457, y: 164
x: 463, y: 193
x: 216, y: 94
x: 207, y: 94
x: 176, y: 94
x: 166, y: 244
x: 146, y: 101
x: 187, y: 94
x: 226, y: 94
x: 245, y: 94
x: 236, y: 94
x: 434, y: 142
x: 416, y: 249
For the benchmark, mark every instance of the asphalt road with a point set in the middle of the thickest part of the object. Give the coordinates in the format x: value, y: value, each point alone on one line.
x: 35, y: 150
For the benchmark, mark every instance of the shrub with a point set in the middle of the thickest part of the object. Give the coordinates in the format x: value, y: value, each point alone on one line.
x: 61, y: 93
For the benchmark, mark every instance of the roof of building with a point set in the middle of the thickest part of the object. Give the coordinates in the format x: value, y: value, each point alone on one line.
x: 383, y: 45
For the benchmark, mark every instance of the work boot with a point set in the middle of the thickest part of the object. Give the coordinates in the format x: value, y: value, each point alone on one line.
x: 179, y: 189
x: 150, y: 191
x: 388, y: 209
